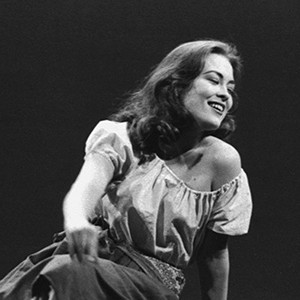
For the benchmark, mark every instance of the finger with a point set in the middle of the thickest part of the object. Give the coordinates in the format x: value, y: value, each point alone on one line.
x: 71, y: 251
x: 70, y: 246
x: 94, y: 245
x: 85, y: 242
x: 90, y: 244
x: 78, y: 246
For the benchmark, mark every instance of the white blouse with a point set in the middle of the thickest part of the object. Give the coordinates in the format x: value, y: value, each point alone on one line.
x: 151, y: 208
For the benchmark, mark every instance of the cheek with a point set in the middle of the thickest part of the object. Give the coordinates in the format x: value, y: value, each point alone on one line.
x: 205, y: 92
x: 197, y: 95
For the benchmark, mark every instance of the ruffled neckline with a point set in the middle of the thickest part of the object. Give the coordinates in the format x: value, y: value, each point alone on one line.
x: 220, y: 190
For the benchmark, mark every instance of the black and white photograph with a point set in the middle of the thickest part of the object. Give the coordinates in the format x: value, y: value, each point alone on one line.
x: 149, y: 150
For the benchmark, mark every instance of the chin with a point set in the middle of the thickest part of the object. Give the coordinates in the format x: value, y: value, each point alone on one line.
x: 209, y: 125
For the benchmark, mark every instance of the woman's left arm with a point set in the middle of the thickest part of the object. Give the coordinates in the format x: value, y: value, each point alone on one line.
x: 213, y: 257
x: 213, y: 266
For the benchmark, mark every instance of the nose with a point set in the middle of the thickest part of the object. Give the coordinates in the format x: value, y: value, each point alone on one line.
x: 224, y: 93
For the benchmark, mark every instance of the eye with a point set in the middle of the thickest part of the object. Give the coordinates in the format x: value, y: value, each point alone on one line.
x: 213, y: 80
x: 231, y: 91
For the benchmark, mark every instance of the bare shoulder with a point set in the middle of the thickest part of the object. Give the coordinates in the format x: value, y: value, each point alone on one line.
x: 225, y: 161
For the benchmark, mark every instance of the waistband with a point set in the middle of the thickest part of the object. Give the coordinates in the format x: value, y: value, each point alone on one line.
x: 167, y: 274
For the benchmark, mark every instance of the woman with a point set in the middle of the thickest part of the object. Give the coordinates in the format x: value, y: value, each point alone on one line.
x: 165, y: 187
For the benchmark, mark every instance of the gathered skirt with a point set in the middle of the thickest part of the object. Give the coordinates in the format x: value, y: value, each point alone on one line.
x: 118, y: 274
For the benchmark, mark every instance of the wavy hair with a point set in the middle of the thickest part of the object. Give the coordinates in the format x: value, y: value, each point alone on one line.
x: 155, y: 112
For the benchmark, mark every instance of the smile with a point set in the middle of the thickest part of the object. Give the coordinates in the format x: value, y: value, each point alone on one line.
x: 217, y: 106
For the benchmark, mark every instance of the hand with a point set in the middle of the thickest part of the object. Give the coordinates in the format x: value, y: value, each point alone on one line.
x: 82, y: 240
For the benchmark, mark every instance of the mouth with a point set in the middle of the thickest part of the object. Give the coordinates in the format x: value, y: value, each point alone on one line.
x: 217, y: 106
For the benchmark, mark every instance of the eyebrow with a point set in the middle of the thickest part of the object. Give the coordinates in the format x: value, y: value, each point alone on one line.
x: 220, y: 75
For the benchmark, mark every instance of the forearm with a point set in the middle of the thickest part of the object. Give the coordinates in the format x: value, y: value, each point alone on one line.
x: 214, y: 275
x: 213, y: 266
x: 79, y: 203
x: 87, y: 190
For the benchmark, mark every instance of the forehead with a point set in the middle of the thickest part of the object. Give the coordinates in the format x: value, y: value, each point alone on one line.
x: 219, y: 63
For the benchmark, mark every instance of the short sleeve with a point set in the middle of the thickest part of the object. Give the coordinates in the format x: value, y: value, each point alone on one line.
x: 110, y: 139
x: 232, y: 209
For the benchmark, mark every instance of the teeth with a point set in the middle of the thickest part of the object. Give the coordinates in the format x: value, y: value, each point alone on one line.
x: 216, y: 106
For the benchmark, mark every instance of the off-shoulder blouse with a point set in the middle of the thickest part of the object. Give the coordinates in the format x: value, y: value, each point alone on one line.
x: 151, y: 208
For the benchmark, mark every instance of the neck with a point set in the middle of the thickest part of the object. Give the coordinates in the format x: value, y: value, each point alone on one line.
x: 187, y: 140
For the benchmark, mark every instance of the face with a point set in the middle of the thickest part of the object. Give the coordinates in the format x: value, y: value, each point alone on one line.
x: 210, y: 97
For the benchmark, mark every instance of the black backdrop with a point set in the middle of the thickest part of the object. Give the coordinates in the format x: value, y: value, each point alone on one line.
x: 65, y: 64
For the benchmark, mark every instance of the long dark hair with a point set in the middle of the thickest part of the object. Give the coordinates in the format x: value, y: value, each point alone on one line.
x: 155, y: 112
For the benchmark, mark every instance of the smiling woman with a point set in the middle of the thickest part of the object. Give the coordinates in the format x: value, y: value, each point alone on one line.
x: 157, y: 107
x: 163, y: 188
x: 210, y: 97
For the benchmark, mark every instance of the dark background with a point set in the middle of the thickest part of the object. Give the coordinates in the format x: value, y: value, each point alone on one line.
x: 64, y: 65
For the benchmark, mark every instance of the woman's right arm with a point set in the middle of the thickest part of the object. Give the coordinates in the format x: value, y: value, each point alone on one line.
x: 80, y: 202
